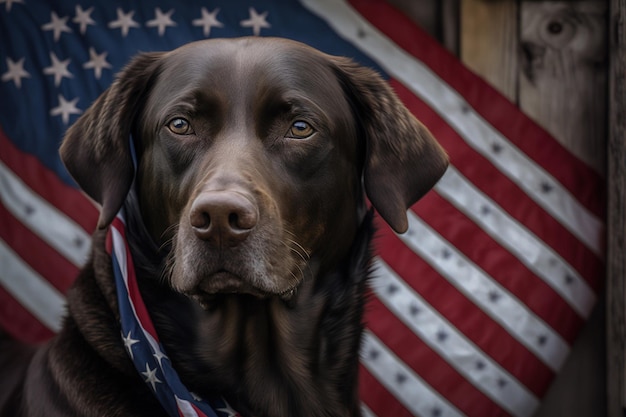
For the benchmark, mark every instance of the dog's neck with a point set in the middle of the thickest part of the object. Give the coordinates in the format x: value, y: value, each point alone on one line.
x: 267, y: 357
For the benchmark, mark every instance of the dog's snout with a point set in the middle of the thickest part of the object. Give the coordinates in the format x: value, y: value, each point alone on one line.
x: 223, y: 218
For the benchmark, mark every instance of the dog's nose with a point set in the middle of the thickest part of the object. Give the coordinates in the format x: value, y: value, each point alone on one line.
x: 223, y: 218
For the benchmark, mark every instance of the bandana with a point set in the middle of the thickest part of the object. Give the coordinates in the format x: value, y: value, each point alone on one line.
x: 142, y: 341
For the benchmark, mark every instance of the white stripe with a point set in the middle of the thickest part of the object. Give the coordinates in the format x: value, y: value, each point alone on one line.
x: 451, y: 106
x: 452, y: 345
x: 54, y: 227
x: 530, y: 250
x: 365, y: 410
x: 185, y: 407
x: 30, y: 289
x: 506, y: 309
x: 415, y: 394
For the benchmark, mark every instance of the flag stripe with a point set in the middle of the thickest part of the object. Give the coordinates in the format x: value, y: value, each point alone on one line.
x: 498, y: 264
x: 38, y: 254
x: 387, y: 365
x: 30, y: 289
x: 539, y: 258
x: 501, y: 189
x: 478, y: 287
x: 458, y: 351
x: 18, y: 320
x: 488, y: 335
x: 419, y: 355
x: 525, y: 134
x: 42, y: 218
x: 465, y: 120
x: 377, y: 398
x: 46, y: 184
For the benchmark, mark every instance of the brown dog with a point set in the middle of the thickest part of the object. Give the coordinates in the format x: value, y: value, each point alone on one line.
x: 247, y: 224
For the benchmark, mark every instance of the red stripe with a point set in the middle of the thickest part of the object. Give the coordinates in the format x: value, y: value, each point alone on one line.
x: 18, y: 321
x: 430, y: 366
x: 45, y: 260
x: 133, y: 290
x: 486, y: 177
x: 378, y: 399
x: 46, y: 183
x: 474, y: 323
x: 500, y: 265
x: 574, y: 174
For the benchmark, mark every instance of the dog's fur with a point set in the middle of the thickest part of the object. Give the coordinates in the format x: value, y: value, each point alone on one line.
x: 247, y: 223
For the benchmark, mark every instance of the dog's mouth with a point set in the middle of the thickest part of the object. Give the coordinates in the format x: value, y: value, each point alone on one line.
x: 223, y: 283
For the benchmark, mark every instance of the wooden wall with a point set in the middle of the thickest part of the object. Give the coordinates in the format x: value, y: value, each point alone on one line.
x: 551, y: 59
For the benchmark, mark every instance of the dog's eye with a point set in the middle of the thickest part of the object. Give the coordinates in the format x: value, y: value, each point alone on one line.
x: 300, y: 130
x: 180, y: 126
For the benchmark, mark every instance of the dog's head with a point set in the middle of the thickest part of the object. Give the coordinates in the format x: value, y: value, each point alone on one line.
x: 253, y: 157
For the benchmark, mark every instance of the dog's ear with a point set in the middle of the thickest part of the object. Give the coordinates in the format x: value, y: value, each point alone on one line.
x: 402, y: 159
x: 96, y: 148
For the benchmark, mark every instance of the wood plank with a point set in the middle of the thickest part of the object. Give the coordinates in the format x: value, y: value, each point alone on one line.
x: 564, y: 79
x: 549, y: 57
x: 616, y: 262
x: 562, y: 86
x: 488, y: 40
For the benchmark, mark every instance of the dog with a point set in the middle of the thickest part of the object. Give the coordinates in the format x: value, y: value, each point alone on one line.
x: 248, y: 170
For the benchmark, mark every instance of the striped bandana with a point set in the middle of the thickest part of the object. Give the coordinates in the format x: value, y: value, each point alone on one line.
x: 142, y: 342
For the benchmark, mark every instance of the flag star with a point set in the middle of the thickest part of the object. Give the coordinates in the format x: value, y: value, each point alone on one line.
x: 78, y: 242
x: 208, y: 21
x: 124, y: 22
x: 161, y: 20
x: 392, y: 289
x: 542, y: 340
x: 256, y: 22
x: 546, y: 187
x: 442, y: 336
x: 400, y: 378
x: 151, y: 377
x: 58, y: 69
x: 128, y: 343
x: 57, y: 25
x: 97, y: 62
x: 65, y: 109
x: 228, y: 410
x: 16, y: 72
x: 373, y: 354
x: 494, y: 296
x: 196, y: 397
x: 496, y: 148
x: 83, y: 18
x: 159, y: 356
x: 9, y: 3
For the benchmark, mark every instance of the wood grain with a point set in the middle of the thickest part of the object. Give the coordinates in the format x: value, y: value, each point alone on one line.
x: 564, y: 80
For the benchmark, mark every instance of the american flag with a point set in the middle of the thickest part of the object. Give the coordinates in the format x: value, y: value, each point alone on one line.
x: 474, y: 309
